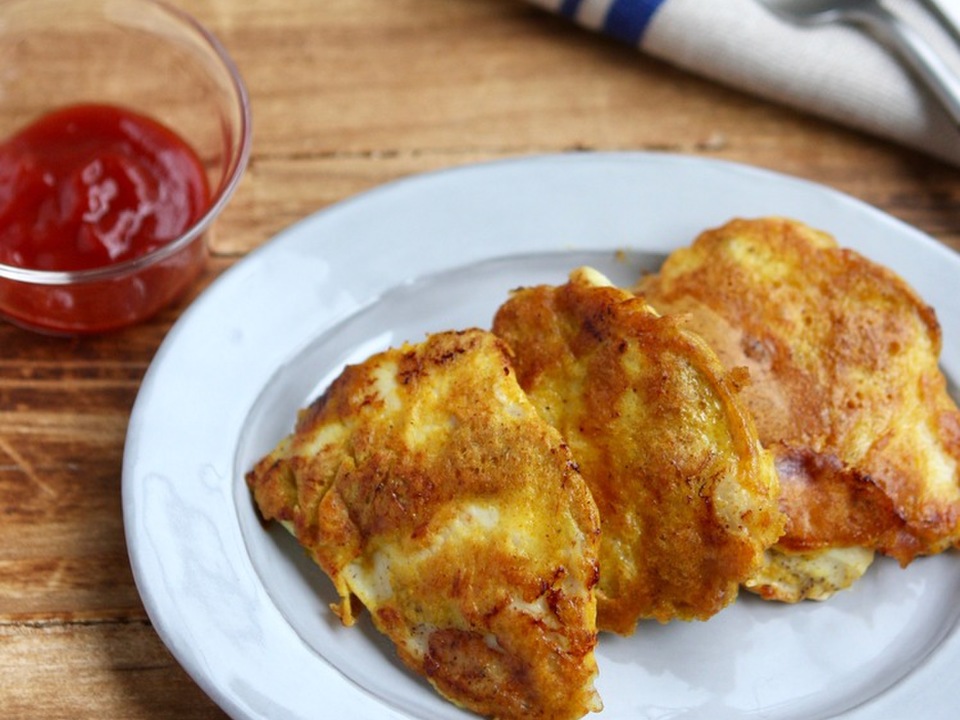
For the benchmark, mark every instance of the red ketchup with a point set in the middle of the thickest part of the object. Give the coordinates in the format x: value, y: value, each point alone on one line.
x: 90, y: 186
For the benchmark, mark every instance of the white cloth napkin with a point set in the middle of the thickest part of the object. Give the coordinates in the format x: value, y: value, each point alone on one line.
x: 837, y: 72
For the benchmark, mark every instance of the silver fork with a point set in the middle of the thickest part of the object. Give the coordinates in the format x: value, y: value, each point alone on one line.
x: 889, y: 29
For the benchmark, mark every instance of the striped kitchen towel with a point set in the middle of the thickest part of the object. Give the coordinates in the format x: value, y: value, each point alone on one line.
x: 837, y: 72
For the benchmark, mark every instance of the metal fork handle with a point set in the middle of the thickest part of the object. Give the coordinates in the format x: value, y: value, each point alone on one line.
x: 915, y: 52
x: 945, y: 21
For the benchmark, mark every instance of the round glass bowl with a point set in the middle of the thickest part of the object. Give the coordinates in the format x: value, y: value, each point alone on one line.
x: 147, y: 57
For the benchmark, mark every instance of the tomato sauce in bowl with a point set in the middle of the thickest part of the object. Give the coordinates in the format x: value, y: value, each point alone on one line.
x: 87, y: 194
x: 93, y: 185
x: 125, y: 129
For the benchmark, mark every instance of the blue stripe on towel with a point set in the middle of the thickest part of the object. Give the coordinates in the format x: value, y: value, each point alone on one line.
x: 568, y: 8
x: 628, y: 19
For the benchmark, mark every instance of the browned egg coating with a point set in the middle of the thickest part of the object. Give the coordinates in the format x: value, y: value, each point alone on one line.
x: 426, y: 486
x: 687, y: 496
x: 845, y: 389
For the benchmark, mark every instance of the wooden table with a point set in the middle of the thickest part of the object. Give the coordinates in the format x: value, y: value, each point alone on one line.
x: 347, y: 94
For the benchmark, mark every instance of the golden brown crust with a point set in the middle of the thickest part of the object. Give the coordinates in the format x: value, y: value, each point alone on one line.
x: 687, y: 496
x: 843, y: 359
x: 830, y: 505
x: 425, y: 484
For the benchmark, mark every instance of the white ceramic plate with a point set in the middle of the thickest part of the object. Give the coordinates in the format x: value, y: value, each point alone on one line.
x: 244, y: 611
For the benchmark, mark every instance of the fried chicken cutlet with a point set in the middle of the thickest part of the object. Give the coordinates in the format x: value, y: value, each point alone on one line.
x: 845, y: 390
x: 686, y: 494
x: 426, y: 486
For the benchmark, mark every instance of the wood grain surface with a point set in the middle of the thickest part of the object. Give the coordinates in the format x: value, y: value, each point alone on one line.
x: 347, y: 95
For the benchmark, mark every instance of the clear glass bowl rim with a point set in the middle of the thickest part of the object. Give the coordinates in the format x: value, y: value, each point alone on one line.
x: 234, y: 171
